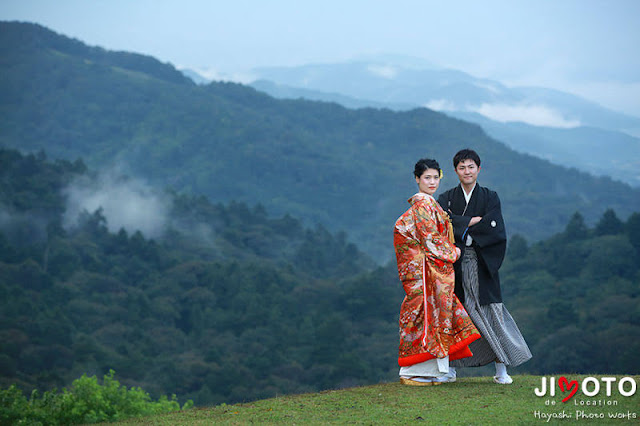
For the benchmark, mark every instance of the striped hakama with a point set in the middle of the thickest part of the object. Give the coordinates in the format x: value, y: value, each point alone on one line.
x: 501, y: 339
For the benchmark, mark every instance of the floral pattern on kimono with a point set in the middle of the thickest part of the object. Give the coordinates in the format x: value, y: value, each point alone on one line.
x: 425, y: 253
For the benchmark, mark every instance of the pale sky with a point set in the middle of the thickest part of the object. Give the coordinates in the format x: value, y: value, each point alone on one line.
x: 586, y: 47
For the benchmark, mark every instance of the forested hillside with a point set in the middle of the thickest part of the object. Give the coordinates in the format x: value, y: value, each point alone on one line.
x: 576, y: 296
x: 348, y: 170
x: 232, y: 304
x: 262, y: 306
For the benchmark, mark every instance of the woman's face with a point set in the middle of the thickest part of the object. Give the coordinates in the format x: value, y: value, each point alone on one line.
x: 429, y: 181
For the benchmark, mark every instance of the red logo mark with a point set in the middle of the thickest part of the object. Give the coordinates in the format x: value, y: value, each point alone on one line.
x: 566, y: 385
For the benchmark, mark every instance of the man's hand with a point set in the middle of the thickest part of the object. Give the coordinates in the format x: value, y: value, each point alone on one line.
x: 475, y: 220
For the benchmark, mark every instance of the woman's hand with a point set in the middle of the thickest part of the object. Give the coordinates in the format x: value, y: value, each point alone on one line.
x: 475, y: 220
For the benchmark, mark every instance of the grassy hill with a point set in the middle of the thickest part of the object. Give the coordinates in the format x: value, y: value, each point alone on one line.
x: 472, y: 400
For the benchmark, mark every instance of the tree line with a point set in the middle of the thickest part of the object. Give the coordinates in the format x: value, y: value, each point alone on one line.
x: 347, y: 169
x: 257, y: 309
x: 264, y: 305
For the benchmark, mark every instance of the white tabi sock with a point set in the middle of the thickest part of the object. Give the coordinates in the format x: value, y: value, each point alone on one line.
x: 501, y: 376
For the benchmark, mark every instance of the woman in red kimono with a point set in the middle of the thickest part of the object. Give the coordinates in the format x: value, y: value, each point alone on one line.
x: 434, y: 326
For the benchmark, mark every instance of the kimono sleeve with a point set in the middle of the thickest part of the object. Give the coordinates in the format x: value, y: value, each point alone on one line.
x: 490, y: 235
x: 460, y: 223
x: 433, y: 239
x: 490, y: 230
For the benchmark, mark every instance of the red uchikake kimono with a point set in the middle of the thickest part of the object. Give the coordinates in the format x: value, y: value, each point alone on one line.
x: 425, y: 253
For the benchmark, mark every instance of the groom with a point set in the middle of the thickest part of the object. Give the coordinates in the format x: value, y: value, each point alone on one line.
x: 480, y: 234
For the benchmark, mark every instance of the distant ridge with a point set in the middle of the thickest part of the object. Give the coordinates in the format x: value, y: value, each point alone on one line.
x: 346, y: 169
x: 454, y: 90
x: 26, y: 37
x: 550, y: 124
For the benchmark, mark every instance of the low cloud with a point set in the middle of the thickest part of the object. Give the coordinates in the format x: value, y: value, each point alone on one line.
x: 126, y: 202
x: 536, y: 115
x: 492, y: 87
x: 213, y: 74
x: 384, y: 71
x: 533, y: 114
x: 441, y: 105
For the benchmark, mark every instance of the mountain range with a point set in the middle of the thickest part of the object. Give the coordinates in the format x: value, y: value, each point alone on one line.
x: 183, y: 234
x: 347, y: 169
x: 561, y: 127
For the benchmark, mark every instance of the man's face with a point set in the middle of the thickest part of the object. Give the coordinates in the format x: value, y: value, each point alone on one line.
x: 467, y: 171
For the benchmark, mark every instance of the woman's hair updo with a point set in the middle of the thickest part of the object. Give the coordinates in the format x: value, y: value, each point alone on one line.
x: 424, y: 164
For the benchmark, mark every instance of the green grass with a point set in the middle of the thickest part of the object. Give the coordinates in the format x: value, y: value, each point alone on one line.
x: 469, y: 401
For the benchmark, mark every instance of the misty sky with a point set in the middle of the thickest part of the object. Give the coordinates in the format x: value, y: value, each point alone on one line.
x: 585, y: 47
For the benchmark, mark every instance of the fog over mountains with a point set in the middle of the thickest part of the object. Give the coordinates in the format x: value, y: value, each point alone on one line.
x: 560, y: 127
x: 346, y: 169
x: 215, y: 242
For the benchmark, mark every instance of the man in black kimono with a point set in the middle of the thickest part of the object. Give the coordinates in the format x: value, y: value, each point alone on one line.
x: 480, y: 234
